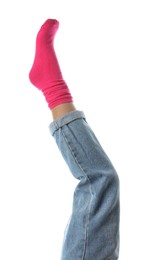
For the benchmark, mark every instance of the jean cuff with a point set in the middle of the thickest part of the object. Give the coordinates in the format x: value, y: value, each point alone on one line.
x: 66, y: 119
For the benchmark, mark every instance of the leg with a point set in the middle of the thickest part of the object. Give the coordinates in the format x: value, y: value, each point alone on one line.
x: 93, y: 229
x: 62, y: 109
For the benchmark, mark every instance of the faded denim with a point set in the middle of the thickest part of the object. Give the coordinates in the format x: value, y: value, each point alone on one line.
x: 93, y: 229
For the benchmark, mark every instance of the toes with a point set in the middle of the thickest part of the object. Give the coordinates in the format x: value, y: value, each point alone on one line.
x: 50, y: 23
x: 48, y: 31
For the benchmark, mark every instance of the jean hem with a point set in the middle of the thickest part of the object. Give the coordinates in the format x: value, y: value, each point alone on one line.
x: 66, y: 119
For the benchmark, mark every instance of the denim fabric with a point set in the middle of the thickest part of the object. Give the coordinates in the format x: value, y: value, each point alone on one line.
x: 93, y: 229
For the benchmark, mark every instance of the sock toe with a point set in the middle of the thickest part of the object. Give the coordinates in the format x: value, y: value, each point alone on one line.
x: 48, y: 29
x: 50, y: 23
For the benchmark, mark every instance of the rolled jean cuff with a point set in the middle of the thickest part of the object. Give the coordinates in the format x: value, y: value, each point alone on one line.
x: 66, y: 119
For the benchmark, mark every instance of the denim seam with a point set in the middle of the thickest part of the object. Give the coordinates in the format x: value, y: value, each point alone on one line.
x: 90, y: 204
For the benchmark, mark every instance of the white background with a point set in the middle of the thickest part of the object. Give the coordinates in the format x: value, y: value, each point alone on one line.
x: 102, y: 50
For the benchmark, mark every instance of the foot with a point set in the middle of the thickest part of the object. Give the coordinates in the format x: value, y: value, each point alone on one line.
x: 45, y: 73
x: 41, y: 72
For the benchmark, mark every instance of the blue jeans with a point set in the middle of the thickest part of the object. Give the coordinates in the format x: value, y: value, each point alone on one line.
x: 93, y: 229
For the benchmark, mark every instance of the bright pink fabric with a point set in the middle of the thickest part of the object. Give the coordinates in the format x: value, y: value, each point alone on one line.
x: 45, y: 73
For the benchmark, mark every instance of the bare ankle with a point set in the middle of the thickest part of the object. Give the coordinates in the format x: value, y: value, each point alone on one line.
x: 62, y: 109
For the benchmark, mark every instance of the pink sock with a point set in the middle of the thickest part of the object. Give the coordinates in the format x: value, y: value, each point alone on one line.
x: 45, y: 73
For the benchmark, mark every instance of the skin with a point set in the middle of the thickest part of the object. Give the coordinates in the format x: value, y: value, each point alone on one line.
x: 62, y: 109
